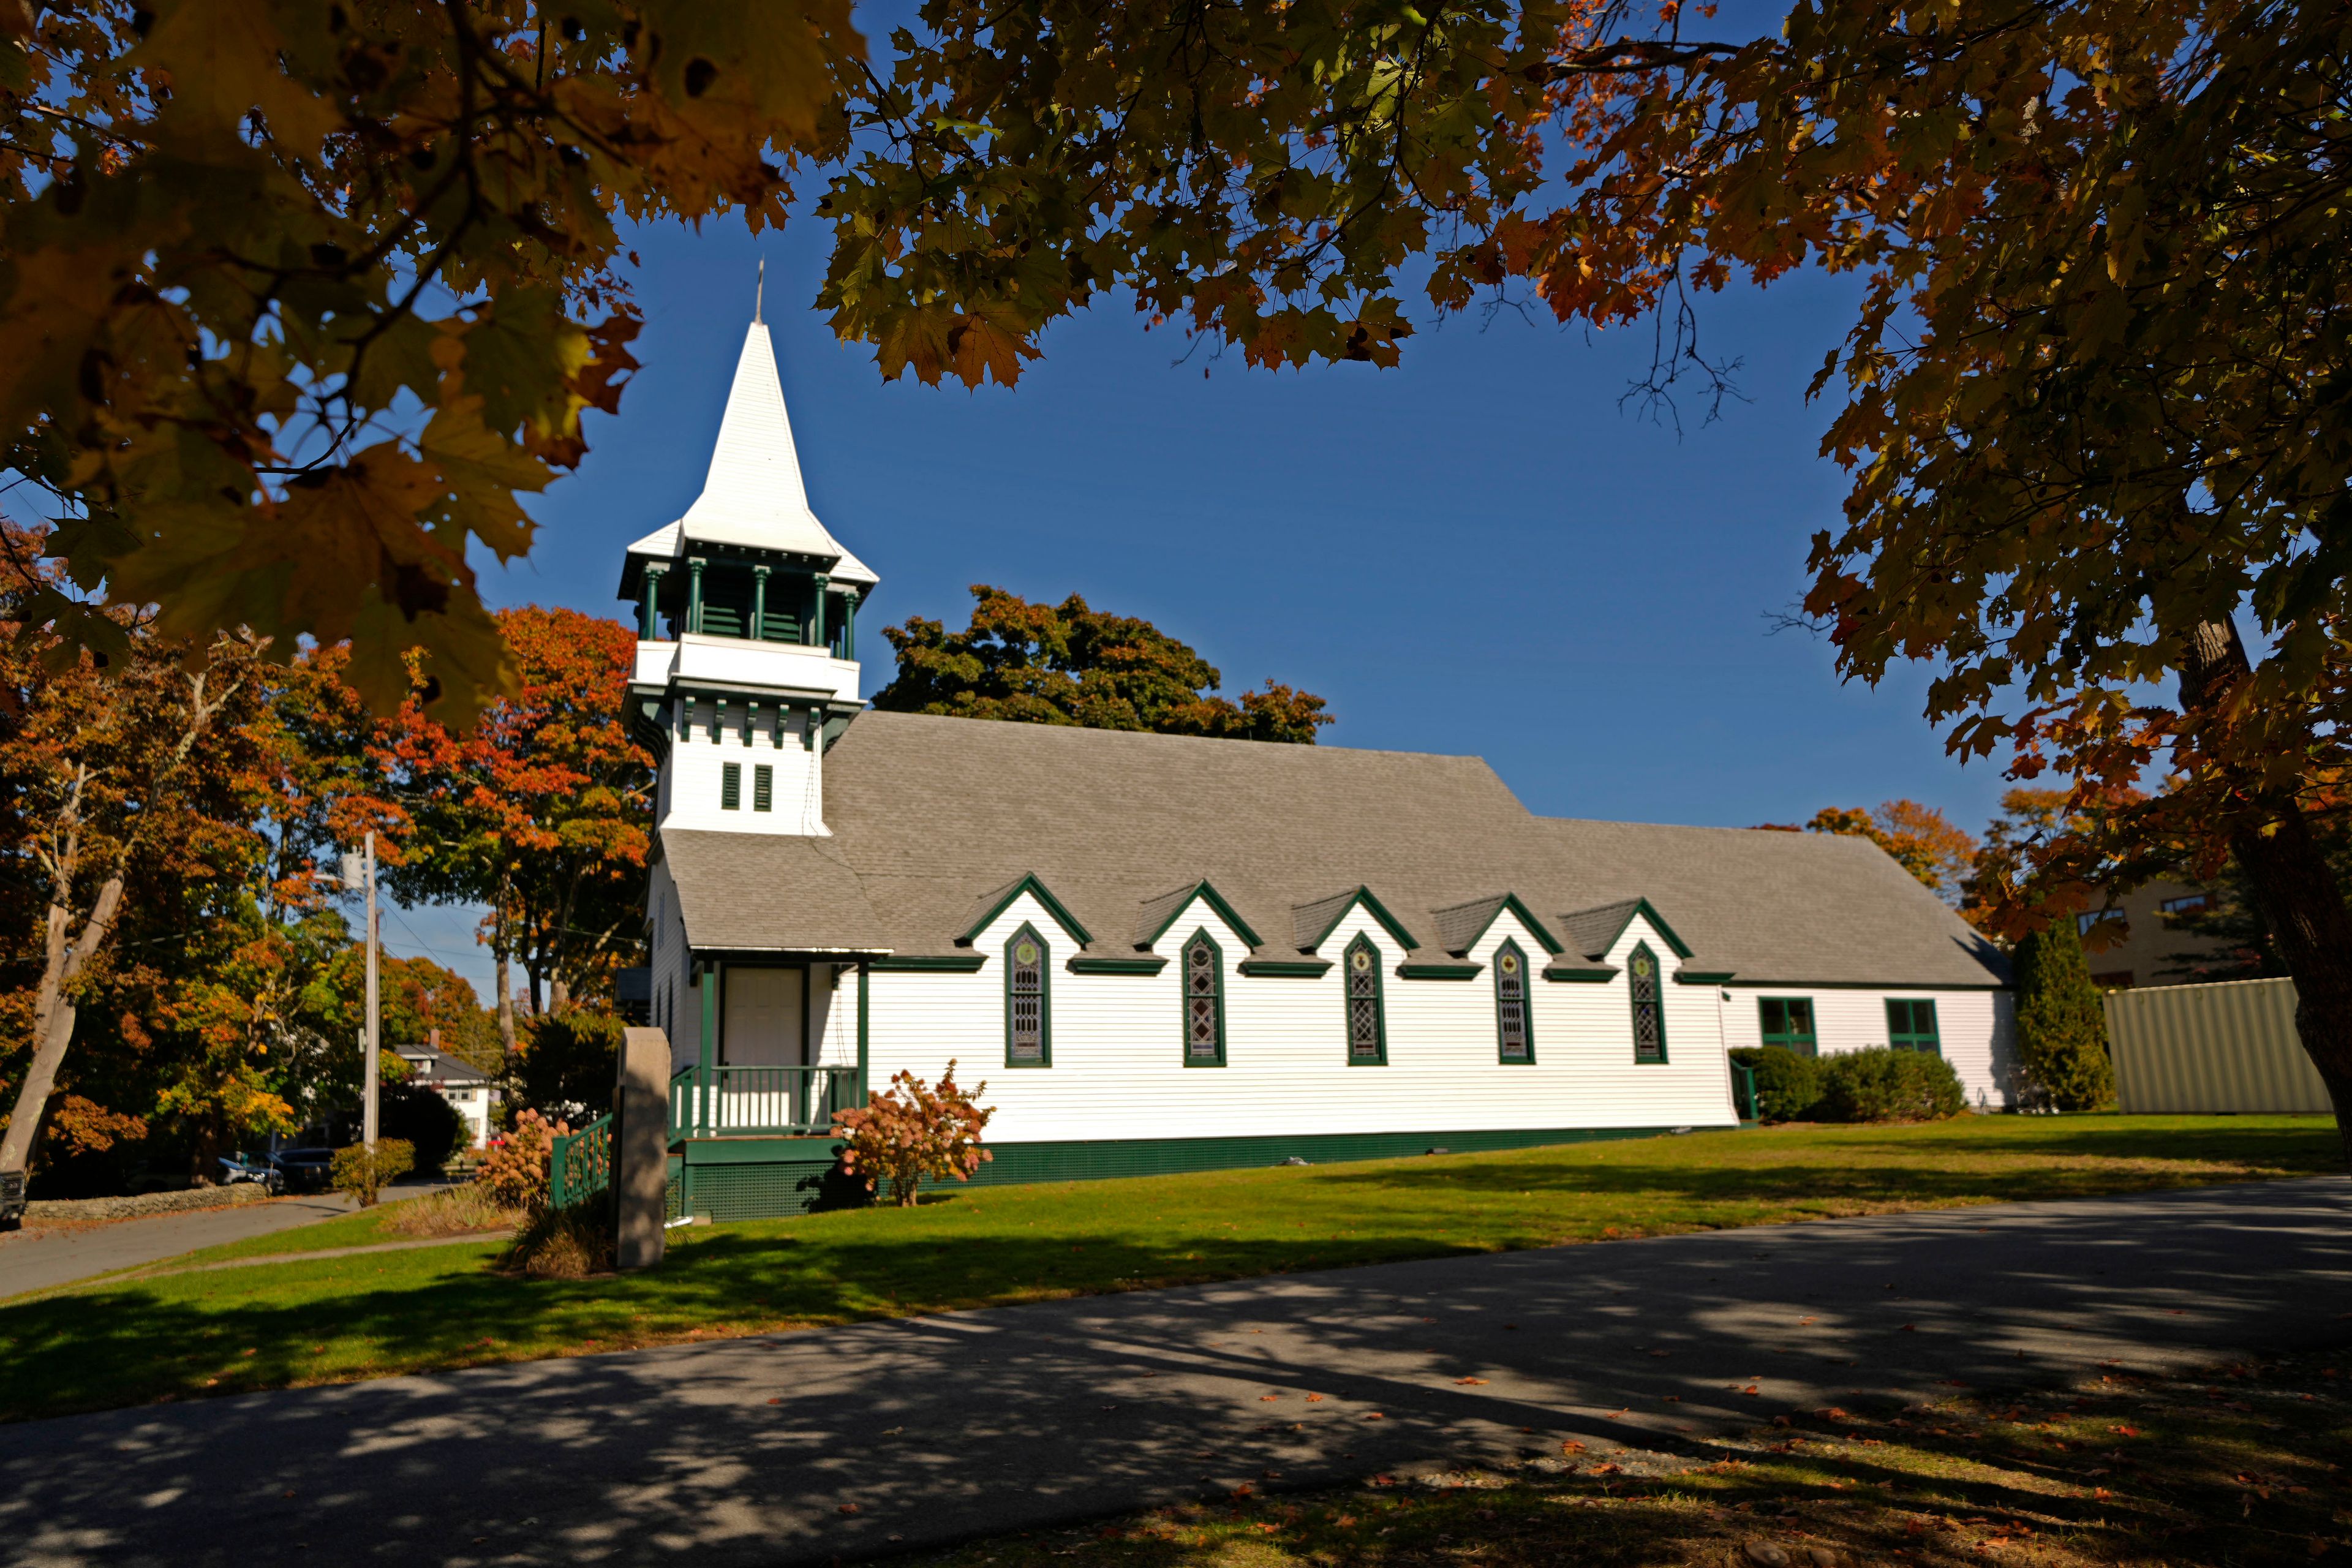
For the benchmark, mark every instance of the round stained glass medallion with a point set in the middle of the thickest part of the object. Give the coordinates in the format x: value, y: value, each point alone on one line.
x: 1360, y: 959
x: 1509, y: 962
x: 1641, y: 966
x: 1026, y: 952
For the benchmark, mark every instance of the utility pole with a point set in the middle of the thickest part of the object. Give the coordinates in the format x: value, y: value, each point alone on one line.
x: 375, y: 1008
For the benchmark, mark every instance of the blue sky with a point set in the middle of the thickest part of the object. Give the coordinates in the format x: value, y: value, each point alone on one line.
x: 1478, y: 551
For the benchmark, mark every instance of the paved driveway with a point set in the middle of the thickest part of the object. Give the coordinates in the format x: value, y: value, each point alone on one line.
x: 748, y: 1451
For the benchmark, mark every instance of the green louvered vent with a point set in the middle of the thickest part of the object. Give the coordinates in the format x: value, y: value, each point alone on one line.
x: 730, y: 786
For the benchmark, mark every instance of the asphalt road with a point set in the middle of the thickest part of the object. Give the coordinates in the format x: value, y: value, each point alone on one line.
x: 756, y: 1451
x: 39, y: 1259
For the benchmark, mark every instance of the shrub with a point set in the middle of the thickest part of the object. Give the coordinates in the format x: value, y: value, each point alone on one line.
x: 424, y: 1121
x: 2062, y: 1027
x: 568, y: 1243
x: 912, y: 1131
x: 1885, y: 1085
x: 364, y: 1173
x: 1788, y: 1086
x: 514, y: 1170
x: 452, y: 1211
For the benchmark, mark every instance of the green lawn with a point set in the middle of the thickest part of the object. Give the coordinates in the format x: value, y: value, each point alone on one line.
x: 327, y: 1320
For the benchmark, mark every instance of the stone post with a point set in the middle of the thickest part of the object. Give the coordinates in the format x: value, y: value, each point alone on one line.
x: 640, y: 1152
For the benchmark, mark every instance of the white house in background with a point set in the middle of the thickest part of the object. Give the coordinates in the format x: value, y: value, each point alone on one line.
x: 1169, y: 953
x: 467, y: 1087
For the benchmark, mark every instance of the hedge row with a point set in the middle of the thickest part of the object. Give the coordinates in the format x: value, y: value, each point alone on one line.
x: 1876, y: 1085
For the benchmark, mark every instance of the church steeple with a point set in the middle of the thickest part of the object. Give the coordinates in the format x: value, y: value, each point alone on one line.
x: 747, y: 657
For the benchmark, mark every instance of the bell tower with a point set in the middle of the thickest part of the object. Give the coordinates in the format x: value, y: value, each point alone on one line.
x: 747, y: 629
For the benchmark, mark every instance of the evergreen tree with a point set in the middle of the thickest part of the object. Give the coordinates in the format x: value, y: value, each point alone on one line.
x: 2061, y: 1029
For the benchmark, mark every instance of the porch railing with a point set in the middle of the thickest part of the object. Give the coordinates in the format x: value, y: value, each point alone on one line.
x: 580, y: 1167
x: 723, y: 1101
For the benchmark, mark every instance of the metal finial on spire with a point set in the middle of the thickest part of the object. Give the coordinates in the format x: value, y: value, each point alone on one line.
x: 760, y: 292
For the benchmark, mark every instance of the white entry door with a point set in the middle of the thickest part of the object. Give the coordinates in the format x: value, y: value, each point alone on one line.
x: 763, y: 1018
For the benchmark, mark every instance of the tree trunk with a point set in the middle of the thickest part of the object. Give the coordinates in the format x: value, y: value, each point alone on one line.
x: 506, y: 1005
x: 559, y: 994
x: 53, y: 1018
x: 2293, y: 890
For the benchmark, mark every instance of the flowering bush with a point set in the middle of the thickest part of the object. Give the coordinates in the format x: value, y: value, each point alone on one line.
x: 912, y: 1131
x: 514, y: 1170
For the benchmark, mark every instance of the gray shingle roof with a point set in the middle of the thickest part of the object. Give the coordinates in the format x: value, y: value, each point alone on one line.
x: 930, y: 815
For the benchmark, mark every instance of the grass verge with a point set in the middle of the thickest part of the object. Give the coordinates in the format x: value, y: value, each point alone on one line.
x: 2236, y: 1464
x: 330, y: 1319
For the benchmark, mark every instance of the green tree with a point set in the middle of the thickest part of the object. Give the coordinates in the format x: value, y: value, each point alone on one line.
x: 1071, y: 664
x: 2061, y: 1029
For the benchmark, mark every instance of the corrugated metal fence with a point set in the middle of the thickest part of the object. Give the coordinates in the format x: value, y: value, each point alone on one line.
x: 2186, y: 1049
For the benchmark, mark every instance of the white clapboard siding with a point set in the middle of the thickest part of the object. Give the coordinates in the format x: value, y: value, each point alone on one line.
x: 689, y: 784
x: 1118, y: 1046
x: 1976, y: 1029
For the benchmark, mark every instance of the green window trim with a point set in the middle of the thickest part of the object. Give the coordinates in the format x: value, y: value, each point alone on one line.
x: 1911, y: 1025
x: 1083, y: 964
x: 1362, y: 1008
x: 1285, y: 968
x: 1514, y: 1028
x: 1647, y: 997
x: 730, y: 786
x: 1788, y: 1022
x: 1201, y: 994
x: 1028, y: 1000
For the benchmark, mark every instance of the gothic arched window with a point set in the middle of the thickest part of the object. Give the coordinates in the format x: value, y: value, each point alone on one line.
x: 1367, y: 1035
x: 1028, y: 1023
x: 1204, y: 1002
x: 1646, y: 984
x: 1514, y: 1039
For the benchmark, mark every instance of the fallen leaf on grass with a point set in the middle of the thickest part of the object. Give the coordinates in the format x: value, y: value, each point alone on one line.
x: 1572, y: 1447
x: 1268, y: 1398
x: 1467, y: 1379
x: 846, y: 1508
x: 1314, y: 1399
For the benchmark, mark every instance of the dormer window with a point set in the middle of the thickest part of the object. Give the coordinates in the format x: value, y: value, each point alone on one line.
x: 1204, y: 1002
x: 1645, y: 979
x: 1367, y: 1035
x: 1515, y: 1042
x: 1028, y: 1029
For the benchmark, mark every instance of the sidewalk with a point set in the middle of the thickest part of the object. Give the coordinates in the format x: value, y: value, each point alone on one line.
x: 39, y: 1259
x: 887, y: 1436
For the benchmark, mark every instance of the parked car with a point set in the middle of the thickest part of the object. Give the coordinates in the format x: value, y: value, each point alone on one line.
x: 303, y: 1170
x: 254, y: 1168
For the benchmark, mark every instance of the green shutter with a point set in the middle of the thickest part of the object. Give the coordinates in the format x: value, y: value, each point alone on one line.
x: 763, y: 787
x: 730, y: 786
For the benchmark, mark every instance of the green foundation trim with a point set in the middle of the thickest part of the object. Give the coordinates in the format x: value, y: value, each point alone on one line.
x: 758, y: 1178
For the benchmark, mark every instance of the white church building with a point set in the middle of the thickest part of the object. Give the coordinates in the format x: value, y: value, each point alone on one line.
x: 1169, y: 953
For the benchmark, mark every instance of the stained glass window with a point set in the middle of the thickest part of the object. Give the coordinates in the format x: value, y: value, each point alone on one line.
x: 1649, y: 1009
x: 1204, y: 1002
x: 1028, y: 1040
x: 1514, y: 1040
x: 1368, y: 1043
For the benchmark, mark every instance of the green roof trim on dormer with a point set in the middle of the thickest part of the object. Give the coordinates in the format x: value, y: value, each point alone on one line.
x: 994, y: 904
x: 1162, y: 912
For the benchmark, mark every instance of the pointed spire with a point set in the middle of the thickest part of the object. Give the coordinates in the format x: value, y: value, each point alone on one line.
x: 759, y: 294
x: 752, y: 495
